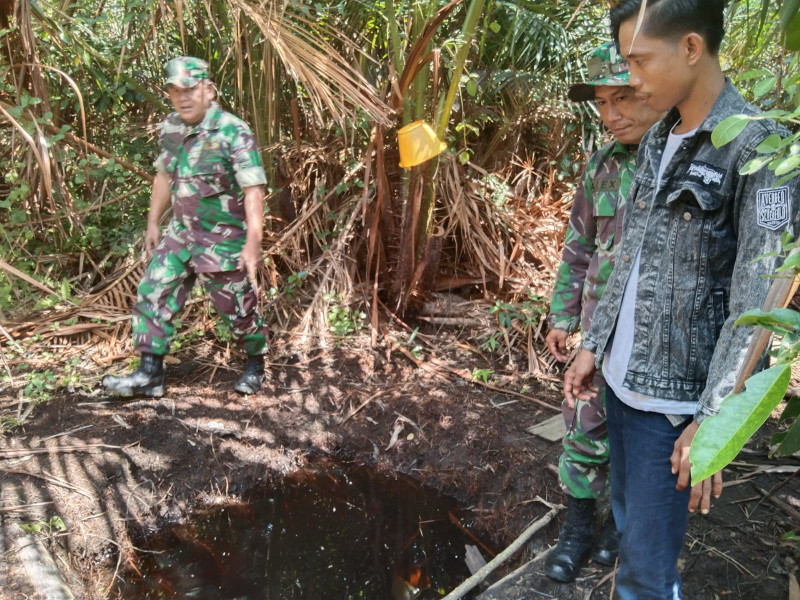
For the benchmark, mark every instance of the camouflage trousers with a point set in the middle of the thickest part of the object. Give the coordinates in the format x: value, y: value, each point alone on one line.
x: 163, y: 292
x: 583, y: 466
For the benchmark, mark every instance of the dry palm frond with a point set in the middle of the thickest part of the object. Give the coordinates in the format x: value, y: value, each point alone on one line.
x: 509, y: 245
x: 302, y: 46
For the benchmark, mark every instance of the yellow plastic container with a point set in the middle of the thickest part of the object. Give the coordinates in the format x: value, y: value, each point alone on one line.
x: 418, y: 143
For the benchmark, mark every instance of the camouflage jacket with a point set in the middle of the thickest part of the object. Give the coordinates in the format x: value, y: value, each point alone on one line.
x: 702, y: 237
x: 208, y: 165
x: 595, y: 229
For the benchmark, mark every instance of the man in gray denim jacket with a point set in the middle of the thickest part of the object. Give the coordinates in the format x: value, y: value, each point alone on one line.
x: 685, y: 271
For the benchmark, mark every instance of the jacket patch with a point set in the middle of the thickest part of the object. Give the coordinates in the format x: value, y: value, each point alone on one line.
x: 607, y: 184
x: 706, y: 173
x: 773, y: 207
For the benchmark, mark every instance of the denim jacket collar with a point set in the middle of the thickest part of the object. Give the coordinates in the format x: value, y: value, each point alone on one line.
x: 729, y: 102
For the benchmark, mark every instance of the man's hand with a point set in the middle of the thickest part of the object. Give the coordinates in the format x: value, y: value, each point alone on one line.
x: 250, y: 259
x: 556, y: 342
x: 578, y: 379
x: 159, y: 200
x: 701, y: 492
x: 152, y: 237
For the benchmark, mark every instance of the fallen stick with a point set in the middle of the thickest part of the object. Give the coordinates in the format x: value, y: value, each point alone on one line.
x: 6, y: 509
x: 498, y: 560
x: 454, y: 520
x: 20, y: 452
x: 784, y: 506
x: 363, y: 404
x: 51, y: 479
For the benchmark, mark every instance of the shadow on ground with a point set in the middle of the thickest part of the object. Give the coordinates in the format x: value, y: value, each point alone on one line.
x: 115, y: 471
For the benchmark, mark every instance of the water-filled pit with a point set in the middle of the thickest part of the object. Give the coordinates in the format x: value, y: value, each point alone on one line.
x: 332, y: 531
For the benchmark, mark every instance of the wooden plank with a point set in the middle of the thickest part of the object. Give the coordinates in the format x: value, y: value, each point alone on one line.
x: 41, y: 569
x: 794, y: 589
x: 552, y: 430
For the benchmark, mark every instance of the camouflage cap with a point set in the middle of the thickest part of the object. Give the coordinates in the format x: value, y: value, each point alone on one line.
x: 605, y: 67
x: 186, y: 71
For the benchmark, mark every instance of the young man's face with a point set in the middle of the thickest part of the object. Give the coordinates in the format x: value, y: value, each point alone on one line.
x: 191, y: 103
x: 625, y: 115
x: 660, y: 72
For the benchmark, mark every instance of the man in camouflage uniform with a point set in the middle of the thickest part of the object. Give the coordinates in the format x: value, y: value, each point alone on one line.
x: 595, y: 229
x: 210, y: 169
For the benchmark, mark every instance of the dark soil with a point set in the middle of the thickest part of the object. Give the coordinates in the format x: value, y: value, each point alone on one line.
x: 204, y: 445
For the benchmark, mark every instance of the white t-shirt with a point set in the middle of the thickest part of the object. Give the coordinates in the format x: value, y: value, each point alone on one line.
x: 618, y: 355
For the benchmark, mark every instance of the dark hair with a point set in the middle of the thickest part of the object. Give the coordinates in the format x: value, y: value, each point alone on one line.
x: 675, y: 18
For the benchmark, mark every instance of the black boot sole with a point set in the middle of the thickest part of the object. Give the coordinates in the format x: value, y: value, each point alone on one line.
x: 151, y: 391
x: 246, y: 388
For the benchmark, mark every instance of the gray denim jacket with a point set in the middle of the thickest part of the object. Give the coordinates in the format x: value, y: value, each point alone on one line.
x: 699, y: 236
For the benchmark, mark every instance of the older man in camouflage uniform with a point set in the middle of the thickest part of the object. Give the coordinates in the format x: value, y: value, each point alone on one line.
x: 595, y: 229
x: 210, y: 169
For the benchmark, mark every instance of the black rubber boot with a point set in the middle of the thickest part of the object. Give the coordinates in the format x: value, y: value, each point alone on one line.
x: 147, y: 380
x: 253, y: 376
x: 574, y: 542
x: 606, y: 546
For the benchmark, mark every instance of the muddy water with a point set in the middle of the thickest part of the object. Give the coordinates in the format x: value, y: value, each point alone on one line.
x: 330, y: 532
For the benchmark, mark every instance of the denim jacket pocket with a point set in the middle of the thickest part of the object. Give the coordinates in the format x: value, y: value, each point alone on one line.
x: 692, y: 212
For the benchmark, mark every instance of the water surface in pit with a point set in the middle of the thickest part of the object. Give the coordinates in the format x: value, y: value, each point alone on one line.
x: 331, y: 532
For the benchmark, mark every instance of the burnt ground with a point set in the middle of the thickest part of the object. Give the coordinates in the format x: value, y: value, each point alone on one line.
x: 153, y: 460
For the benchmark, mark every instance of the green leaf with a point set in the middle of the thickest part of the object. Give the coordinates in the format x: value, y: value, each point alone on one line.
x: 791, y: 440
x: 792, y: 262
x: 788, y: 177
x: 753, y: 74
x: 494, y: 26
x: 755, y: 164
x: 793, y: 34
x: 787, y: 165
x: 769, y: 145
x: 728, y: 129
x: 778, y: 319
x: 764, y: 86
x: 720, y: 437
x: 789, y: 10
x: 792, y: 410
x: 472, y: 88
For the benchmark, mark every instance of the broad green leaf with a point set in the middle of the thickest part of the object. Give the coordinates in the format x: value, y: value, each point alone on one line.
x: 787, y: 165
x: 753, y: 74
x: 772, y: 114
x: 764, y: 86
x: 778, y: 319
x: 728, y: 129
x: 791, y: 440
x: 755, y: 164
x: 720, y: 437
x: 793, y: 34
x: 472, y: 88
x: 792, y: 262
x: 789, y: 10
x: 769, y: 145
x: 788, y: 177
x: 495, y: 26
x: 775, y: 162
x: 792, y: 410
